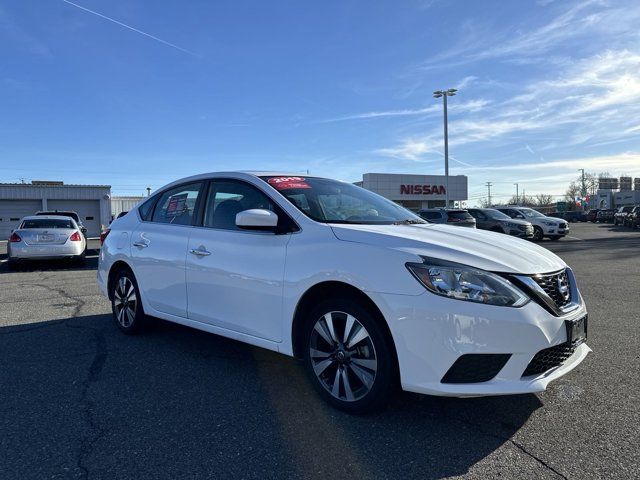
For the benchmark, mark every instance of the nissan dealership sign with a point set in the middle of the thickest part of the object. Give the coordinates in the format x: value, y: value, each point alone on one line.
x: 422, y: 189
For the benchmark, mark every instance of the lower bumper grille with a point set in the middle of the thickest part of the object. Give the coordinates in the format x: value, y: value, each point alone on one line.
x: 549, y: 358
x: 476, y: 367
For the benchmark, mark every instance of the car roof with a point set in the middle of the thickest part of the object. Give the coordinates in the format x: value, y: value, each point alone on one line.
x: 237, y: 174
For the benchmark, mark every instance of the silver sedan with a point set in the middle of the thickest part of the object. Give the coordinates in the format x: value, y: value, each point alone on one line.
x: 46, y: 238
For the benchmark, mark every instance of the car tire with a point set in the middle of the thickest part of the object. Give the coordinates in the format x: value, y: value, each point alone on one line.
x: 554, y: 238
x: 538, y: 234
x: 496, y: 229
x: 126, y: 305
x: 361, y: 360
x: 81, y: 259
x: 12, y: 264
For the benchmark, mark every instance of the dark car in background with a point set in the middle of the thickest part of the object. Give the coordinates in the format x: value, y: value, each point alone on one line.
x: 605, y: 216
x: 573, y: 216
x: 70, y: 214
x: 632, y: 220
x: 620, y: 216
x: 450, y: 216
x: 496, y: 221
x: 592, y: 215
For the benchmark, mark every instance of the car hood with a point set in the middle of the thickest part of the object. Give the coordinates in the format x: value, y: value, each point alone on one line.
x: 482, y: 249
x: 514, y: 221
x: 556, y: 219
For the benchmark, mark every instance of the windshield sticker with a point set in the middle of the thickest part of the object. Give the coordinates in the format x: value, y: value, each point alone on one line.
x: 176, y: 204
x: 288, y: 183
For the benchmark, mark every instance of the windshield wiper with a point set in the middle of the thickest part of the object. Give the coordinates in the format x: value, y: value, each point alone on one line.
x: 409, y: 222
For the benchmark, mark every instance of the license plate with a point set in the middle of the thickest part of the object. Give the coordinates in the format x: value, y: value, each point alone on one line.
x: 45, y: 238
x: 577, y: 330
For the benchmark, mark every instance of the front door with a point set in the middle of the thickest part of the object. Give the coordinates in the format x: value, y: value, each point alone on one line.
x: 235, y: 277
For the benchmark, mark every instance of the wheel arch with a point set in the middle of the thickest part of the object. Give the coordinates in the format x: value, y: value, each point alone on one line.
x: 324, y: 290
x: 116, y: 267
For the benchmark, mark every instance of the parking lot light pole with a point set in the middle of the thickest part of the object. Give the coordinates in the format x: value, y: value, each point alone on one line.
x: 444, y: 94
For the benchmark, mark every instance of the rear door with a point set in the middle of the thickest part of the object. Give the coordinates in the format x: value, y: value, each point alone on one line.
x: 159, y: 248
x: 235, y: 277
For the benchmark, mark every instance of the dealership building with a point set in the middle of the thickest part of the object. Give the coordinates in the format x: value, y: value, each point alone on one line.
x: 416, y: 192
x: 92, y: 203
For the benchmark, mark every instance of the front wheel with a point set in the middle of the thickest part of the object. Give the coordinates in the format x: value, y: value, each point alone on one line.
x: 349, y: 356
x: 538, y: 234
x: 554, y: 238
x: 125, y: 303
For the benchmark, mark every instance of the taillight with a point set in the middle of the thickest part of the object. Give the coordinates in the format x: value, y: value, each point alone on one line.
x: 75, y: 237
x: 103, y: 236
x: 15, y: 238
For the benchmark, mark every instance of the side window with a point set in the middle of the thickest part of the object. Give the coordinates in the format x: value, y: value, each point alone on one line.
x: 145, y: 209
x: 227, y: 199
x: 479, y: 215
x: 177, y: 206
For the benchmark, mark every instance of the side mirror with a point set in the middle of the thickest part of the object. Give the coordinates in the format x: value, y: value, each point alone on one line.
x: 83, y: 230
x: 257, y: 219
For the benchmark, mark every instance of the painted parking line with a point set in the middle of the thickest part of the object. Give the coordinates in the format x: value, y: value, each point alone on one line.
x: 575, y: 238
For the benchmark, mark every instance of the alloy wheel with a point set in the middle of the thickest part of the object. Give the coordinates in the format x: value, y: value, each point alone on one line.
x: 343, y: 356
x: 125, y: 301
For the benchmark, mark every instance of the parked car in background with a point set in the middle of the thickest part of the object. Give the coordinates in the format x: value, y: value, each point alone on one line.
x: 572, y: 216
x: 49, y: 237
x: 365, y: 292
x: 621, y: 214
x: 543, y: 226
x: 605, y: 215
x: 496, y: 221
x: 631, y: 220
x: 592, y: 215
x: 450, y: 216
x: 71, y: 214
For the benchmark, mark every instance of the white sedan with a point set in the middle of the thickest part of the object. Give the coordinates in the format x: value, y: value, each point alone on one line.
x: 367, y: 293
x: 49, y: 237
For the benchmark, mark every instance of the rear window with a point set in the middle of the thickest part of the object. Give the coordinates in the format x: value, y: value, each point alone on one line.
x: 461, y: 215
x: 430, y: 215
x: 47, y: 223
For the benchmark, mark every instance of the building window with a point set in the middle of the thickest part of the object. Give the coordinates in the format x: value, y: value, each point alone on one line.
x: 89, y: 218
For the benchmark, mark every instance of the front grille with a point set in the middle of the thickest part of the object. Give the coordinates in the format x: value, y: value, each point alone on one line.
x: 549, y: 358
x: 556, y: 286
x: 475, y: 367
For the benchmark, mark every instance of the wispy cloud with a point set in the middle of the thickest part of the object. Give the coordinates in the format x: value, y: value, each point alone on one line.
x: 133, y: 29
x: 470, y: 106
x: 595, y: 100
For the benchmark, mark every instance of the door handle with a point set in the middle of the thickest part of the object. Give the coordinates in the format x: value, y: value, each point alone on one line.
x: 199, y: 253
x: 141, y: 244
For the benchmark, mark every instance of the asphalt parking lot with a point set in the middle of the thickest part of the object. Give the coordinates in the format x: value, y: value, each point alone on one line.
x: 78, y: 399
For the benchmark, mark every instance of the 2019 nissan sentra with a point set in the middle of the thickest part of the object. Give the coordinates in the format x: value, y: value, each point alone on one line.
x: 368, y: 294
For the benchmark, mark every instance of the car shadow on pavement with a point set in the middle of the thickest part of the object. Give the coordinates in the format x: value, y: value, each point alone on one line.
x: 91, y: 263
x: 79, y: 398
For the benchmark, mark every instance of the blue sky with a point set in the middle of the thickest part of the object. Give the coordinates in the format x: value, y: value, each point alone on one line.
x: 335, y: 87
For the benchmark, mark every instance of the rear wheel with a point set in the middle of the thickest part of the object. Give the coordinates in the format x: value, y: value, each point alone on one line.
x: 538, y: 235
x: 12, y: 264
x: 349, y: 356
x: 125, y: 303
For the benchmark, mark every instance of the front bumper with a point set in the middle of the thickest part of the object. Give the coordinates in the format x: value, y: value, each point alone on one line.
x: 432, y: 332
x: 559, y: 230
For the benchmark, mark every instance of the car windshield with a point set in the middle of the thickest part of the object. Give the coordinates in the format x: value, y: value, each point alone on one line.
x: 529, y: 213
x: 496, y: 214
x: 47, y: 223
x: 331, y: 201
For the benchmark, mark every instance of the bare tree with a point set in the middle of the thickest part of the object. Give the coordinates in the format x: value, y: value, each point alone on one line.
x: 543, y: 200
x: 570, y: 195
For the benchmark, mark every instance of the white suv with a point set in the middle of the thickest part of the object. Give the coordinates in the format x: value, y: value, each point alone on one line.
x: 543, y: 226
x: 367, y: 293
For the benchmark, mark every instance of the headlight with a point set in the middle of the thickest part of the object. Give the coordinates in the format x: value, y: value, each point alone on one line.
x: 467, y: 283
